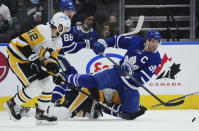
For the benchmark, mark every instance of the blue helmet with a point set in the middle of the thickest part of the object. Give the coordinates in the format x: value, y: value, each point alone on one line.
x: 67, y: 5
x: 152, y: 34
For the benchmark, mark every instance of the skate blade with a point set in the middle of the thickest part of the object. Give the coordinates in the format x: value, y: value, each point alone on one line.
x: 9, y: 112
x: 44, y: 122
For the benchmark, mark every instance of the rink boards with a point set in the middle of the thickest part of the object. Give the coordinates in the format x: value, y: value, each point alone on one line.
x: 177, y: 76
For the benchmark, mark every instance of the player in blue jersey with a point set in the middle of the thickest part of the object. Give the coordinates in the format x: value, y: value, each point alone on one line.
x: 67, y: 7
x: 85, y: 31
x: 79, y: 37
x: 141, y: 61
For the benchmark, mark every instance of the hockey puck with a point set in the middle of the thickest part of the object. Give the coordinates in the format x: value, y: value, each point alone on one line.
x: 193, y: 119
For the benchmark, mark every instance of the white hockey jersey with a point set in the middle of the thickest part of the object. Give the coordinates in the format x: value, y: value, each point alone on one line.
x: 39, y: 39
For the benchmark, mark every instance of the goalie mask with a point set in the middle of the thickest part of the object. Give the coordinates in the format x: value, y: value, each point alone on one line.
x: 60, y: 19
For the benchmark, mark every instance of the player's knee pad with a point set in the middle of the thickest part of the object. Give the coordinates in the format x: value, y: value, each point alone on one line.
x: 107, y: 79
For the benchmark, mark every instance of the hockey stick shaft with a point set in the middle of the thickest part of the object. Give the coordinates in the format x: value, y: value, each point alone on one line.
x: 177, y: 99
x: 140, y: 84
x: 78, y: 89
x: 138, y: 27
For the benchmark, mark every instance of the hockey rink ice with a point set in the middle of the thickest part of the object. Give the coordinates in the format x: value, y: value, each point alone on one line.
x: 153, y: 120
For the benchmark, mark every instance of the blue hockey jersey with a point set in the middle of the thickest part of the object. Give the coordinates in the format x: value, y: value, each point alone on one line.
x: 69, y: 45
x: 80, y: 35
x: 73, y: 41
x: 142, y: 64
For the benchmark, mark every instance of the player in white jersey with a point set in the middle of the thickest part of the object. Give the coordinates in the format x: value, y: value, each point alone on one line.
x: 26, y: 54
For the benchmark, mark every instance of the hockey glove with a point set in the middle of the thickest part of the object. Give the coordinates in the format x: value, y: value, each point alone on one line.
x: 35, y: 63
x: 59, y: 79
x: 98, y: 48
x: 47, y: 53
x: 53, y: 67
x: 120, y: 71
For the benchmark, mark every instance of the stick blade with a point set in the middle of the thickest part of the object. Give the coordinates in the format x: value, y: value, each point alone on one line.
x: 169, y: 104
x: 175, y: 104
x: 138, y: 27
x: 139, y: 24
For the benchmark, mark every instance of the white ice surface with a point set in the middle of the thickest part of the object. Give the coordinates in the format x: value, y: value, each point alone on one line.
x: 155, y: 120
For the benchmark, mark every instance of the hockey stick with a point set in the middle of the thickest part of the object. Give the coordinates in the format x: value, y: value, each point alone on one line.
x: 137, y: 28
x: 147, y: 90
x: 94, y: 99
x: 176, y: 99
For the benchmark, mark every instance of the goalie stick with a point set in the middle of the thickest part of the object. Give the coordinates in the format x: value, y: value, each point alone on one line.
x: 176, y: 99
x: 147, y: 90
x: 137, y: 28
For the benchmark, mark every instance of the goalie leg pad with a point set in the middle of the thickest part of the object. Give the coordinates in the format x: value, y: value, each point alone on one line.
x: 62, y: 113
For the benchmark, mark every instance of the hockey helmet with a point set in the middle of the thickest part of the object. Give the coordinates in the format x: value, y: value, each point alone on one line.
x: 152, y: 34
x: 63, y: 20
x: 67, y: 5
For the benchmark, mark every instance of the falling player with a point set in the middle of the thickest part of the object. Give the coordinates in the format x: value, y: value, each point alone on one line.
x: 141, y: 61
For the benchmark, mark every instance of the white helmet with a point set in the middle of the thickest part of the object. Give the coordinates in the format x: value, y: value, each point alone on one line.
x: 63, y: 20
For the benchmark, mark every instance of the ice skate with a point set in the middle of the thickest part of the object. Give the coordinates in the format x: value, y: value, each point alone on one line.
x: 13, y: 109
x: 43, y: 118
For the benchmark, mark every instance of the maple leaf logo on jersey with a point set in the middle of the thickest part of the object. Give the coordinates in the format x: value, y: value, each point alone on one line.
x: 130, y: 64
